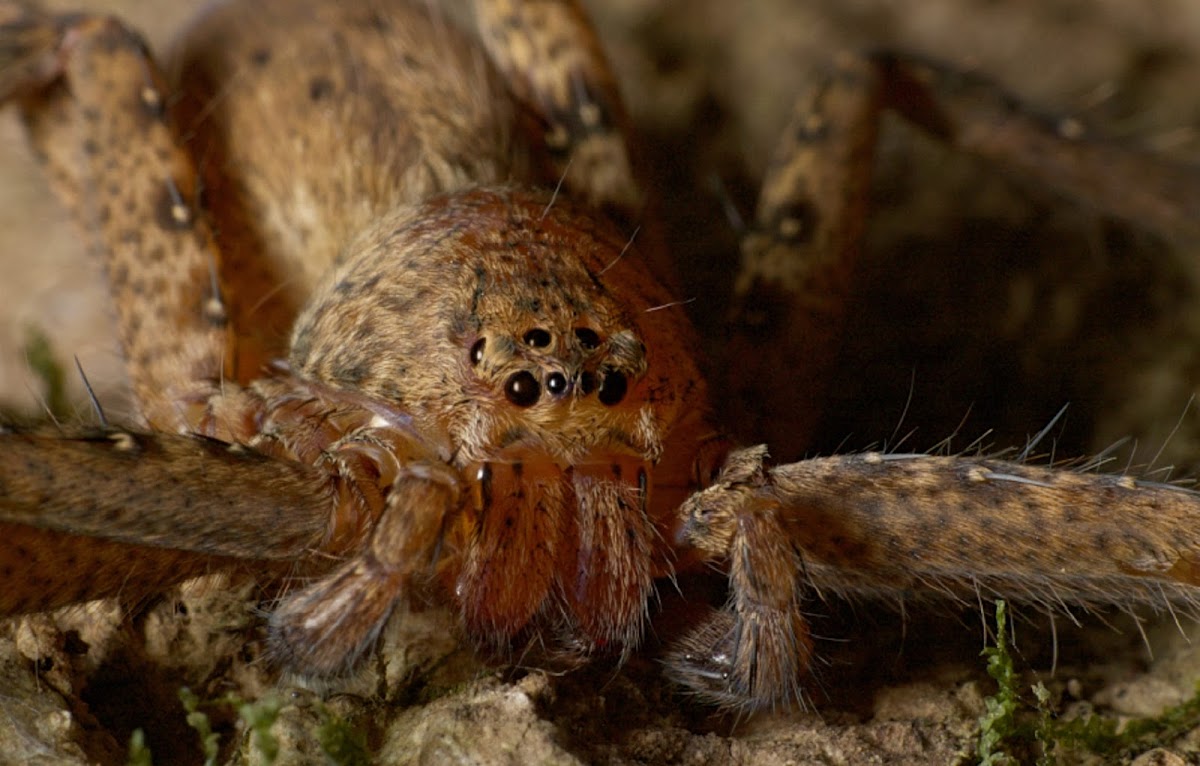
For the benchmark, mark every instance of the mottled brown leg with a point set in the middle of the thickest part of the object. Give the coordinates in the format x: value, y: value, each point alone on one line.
x: 976, y: 115
x: 549, y: 53
x: 110, y: 513
x: 798, y: 259
x: 754, y: 652
x: 95, y: 106
x: 886, y: 525
x: 799, y: 256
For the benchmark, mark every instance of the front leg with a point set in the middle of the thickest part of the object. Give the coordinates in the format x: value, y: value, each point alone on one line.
x: 893, y: 526
x: 755, y: 651
x: 324, y: 628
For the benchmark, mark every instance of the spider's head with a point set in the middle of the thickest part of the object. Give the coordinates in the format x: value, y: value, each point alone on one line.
x: 502, y: 320
x: 524, y: 334
x: 559, y: 374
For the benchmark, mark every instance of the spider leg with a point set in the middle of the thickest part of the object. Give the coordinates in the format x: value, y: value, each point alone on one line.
x: 975, y: 115
x: 799, y: 255
x: 95, y: 105
x: 754, y: 652
x: 72, y: 511
x: 325, y: 627
x: 549, y: 53
x: 798, y: 258
x: 901, y: 526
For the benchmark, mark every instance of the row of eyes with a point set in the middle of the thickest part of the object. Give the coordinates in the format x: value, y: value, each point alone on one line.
x: 523, y: 389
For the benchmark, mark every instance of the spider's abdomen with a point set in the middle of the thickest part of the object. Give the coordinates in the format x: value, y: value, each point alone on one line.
x: 314, y: 119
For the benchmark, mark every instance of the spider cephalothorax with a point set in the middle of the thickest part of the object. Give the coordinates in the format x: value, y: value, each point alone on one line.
x: 490, y: 317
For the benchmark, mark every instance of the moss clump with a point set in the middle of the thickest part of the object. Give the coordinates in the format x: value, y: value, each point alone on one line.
x: 198, y: 720
x: 999, y: 720
x: 139, y: 753
x: 346, y: 745
x: 1015, y: 729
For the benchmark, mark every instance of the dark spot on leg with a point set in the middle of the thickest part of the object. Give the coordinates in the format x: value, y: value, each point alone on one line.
x: 301, y: 348
x: 152, y: 103
x: 364, y: 333
x: 320, y: 88
x: 260, y: 56
x: 378, y: 21
x: 761, y: 313
x: 812, y: 130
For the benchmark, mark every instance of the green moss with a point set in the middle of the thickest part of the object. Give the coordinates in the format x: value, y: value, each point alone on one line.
x: 259, y: 717
x: 345, y: 744
x: 40, y: 356
x: 999, y: 720
x: 139, y: 753
x: 198, y: 720
x: 1104, y: 736
x: 1014, y: 727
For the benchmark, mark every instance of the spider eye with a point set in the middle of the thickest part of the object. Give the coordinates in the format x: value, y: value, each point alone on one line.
x: 537, y: 337
x: 587, y: 338
x: 556, y: 383
x: 587, y: 383
x: 477, y: 350
x: 613, y: 387
x: 522, y: 388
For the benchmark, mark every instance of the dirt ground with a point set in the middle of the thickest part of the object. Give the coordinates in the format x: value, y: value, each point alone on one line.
x: 984, y: 304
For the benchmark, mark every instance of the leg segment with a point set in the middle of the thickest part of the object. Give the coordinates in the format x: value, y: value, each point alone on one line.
x: 324, y: 628
x: 755, y: 651
x: 115, y: 513
x: 975, y: 115
x: 549, y: 53
x: 798, y: 259
x: 95, y: 106
x: 888, y: 526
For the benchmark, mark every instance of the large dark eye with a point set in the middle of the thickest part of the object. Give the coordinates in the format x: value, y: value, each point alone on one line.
x: 522, y: 388
x: 612, y: 387
x: 537, y: 337
x: 587, y: 338
x: 556, y: 383
x: 477, y: 350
